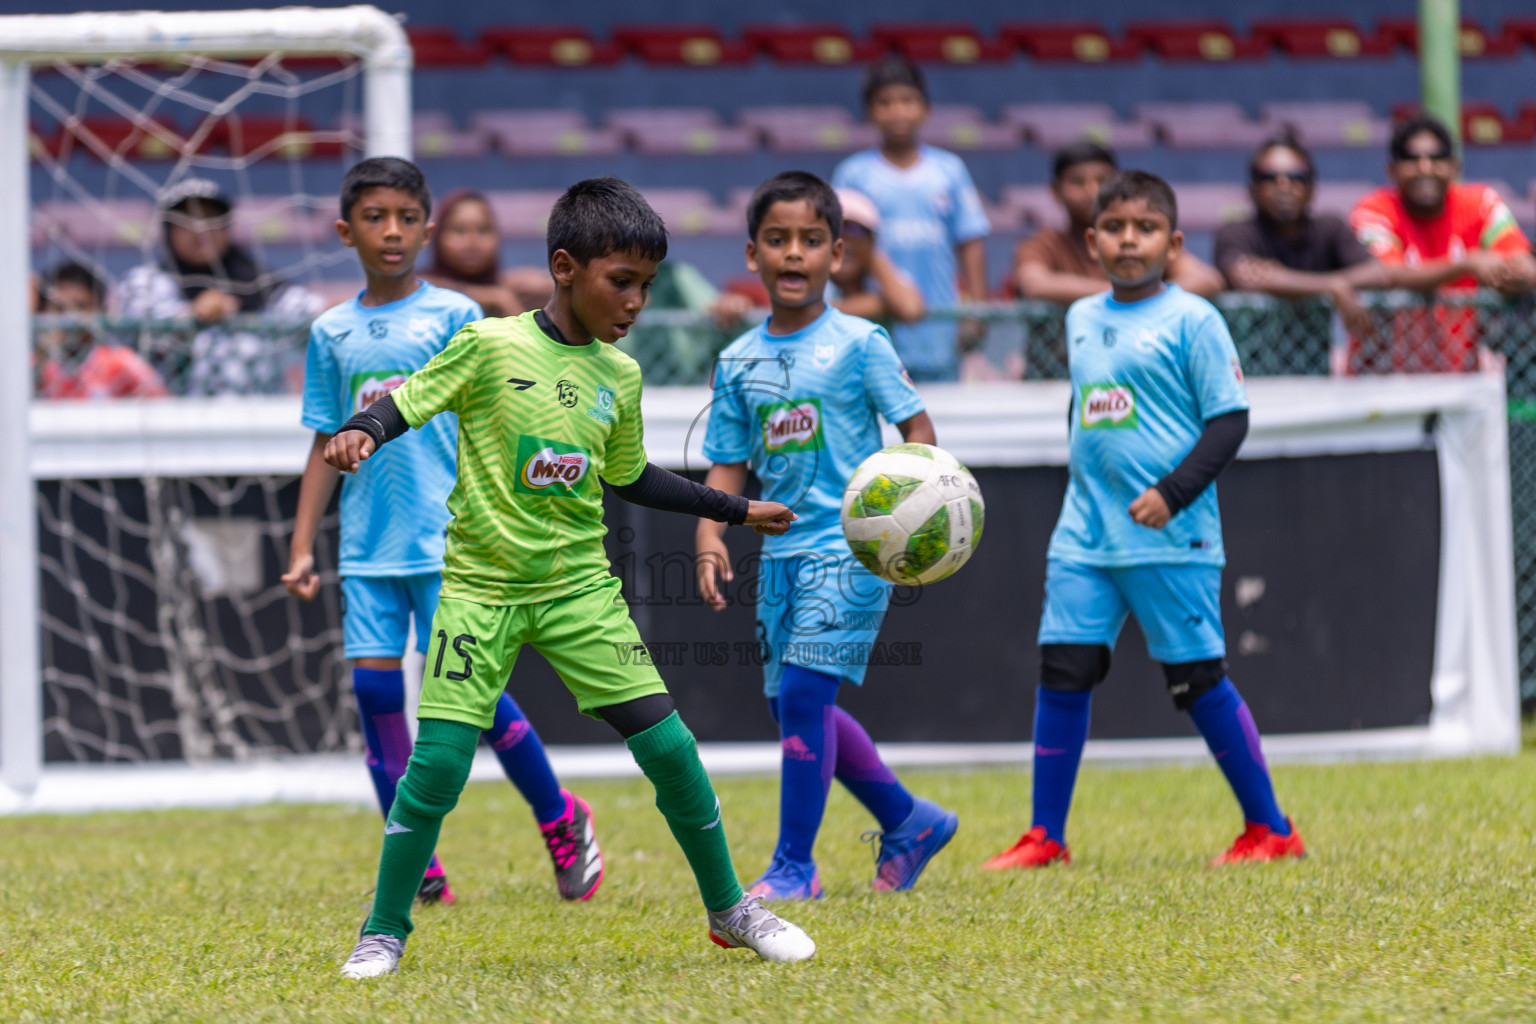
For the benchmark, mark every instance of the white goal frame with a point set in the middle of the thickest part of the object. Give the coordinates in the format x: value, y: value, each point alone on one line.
x: 362, y: 31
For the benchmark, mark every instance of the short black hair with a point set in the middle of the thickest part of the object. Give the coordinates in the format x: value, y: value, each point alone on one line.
x: 1084, y: 152
x: 1127, y: 185
x: 71, y: 273
x: 384, y: 172
x: 599, y: 216
x: 788, y: 187
x: 1417, y: 124
x: 893, y: 69
x: 1283, y: 140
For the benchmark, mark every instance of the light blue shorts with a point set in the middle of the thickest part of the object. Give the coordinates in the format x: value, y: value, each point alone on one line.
x: 1177, y: 606
x: 821, y: 612
x: 377, y: 610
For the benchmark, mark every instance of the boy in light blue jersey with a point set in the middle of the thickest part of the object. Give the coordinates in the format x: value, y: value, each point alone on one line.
x: 394, y: 512
x: 932, y: 222
x: 1158, y: 411
x: 798, y: 400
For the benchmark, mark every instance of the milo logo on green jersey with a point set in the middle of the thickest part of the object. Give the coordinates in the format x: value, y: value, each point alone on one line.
x: 550, y: 468
x: 1109, y: 407
x: 368, y: 388
x: 792, y: 426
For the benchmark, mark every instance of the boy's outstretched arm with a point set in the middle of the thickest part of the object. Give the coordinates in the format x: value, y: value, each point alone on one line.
x: 1212, y: 453
x: 315, y: 490
x: 364, y: 434
x: 918, y: 429
x: 712, y: 560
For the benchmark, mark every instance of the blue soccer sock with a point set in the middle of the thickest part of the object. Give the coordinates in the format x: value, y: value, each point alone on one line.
x: 522, y: 757
x: 1227, y: 725
x: 806, y: 702
x: 1061, y: 729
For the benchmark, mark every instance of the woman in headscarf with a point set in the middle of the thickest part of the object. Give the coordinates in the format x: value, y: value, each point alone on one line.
x: 466, y: 255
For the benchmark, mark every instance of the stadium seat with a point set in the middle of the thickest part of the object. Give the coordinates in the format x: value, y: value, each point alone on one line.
x: 949, y: 42
x: 1203, y: 125
x: 1482, y: 123
x: 961, y: 126
x: 819, y: 130
x: 1206, y: 206
x: 809, y: 44
x: 99, y: 223
x: 1079, y: 41
x: 681, y: 130
x: 567, y: 46
x: 102, y: 137
x: 1340, y: 197
x: 767, y: 118
x: 1521, y: 30
x: 688, y: 45
x: 276, y: 220
x: 1053, y: 125
x: 434, y: 135
x: 523, y: 214
x: 1338, y: 38
x: 261, y: 136
x: 1327, y: 123
x: 1033, y: 205
x: 1206, y: 39
x: 685, y: 211
x: 1475, y: 42
x: 438, y: 46
x: 546, y: 133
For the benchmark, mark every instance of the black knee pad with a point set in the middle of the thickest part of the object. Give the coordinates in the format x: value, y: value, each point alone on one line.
x: 635, y: 716
x: 1073, y: 667
x: 1188, y: 681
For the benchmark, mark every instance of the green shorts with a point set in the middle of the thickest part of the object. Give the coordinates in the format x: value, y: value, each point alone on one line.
x: 588, y: 637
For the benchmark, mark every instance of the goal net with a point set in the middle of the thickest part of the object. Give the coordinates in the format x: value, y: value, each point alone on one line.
x: 177, y: 174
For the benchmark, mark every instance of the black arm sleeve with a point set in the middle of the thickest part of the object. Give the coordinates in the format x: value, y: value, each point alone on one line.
x: 381, y: 421
x: 665, y: 490
x: 1214, y: 452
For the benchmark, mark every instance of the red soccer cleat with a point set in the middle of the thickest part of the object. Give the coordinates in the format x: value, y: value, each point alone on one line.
x: 1261, y: 843
x: 1033, y: 850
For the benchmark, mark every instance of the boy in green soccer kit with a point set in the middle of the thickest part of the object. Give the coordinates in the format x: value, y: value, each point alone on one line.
x: 547, y: 406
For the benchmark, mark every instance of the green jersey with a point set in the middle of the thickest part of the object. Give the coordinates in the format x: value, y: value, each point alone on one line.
x: 539, y: 422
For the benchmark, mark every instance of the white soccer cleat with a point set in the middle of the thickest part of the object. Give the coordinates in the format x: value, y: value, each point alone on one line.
x: 374, y: 955
x: 751, y: 925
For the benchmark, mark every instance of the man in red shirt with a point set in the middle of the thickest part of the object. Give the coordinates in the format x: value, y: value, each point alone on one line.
x: 1426, y: 214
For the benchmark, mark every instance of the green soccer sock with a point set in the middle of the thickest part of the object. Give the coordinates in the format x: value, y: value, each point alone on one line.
x: 428, y: 790
x: 670, y: 759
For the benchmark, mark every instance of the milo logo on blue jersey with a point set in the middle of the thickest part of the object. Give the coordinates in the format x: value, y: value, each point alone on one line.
x: 550, y: 468
x: 368, y: 388
x: 1108, y: 407
x: 792, y: 426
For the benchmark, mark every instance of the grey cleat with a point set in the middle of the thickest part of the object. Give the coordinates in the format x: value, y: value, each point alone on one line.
x: 753, y: 926
x: 374, y: 955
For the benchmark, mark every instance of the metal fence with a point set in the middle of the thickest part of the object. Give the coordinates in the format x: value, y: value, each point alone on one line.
x: 1394, y: 333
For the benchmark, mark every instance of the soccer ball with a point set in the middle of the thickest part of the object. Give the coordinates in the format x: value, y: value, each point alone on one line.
x: 912, y: 514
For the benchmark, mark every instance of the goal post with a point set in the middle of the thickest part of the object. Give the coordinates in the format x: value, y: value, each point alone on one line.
x: 364, y: 32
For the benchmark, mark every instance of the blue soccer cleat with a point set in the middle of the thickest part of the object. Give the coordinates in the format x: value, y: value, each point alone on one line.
x: 907, y: 849
x: 788, y: 880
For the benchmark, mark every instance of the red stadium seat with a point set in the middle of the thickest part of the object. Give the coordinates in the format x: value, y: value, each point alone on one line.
x: 1521, y: 30
x: 1338, y: 38
x: 103, y: 137
x: 1328, y: 122
x: 809, y: 44
x: 1475, y: 42
x: 567, y: 46
x: 1206, y: 39
x: 438, y: 46
x: 949, y: 42
x: 689, y: 45
x: 1482, y: 123
x: 1203, y: 125
x: 1079, y: 41
x: 275, y: 135
x: 1053, y: 125
x: 546, y: 133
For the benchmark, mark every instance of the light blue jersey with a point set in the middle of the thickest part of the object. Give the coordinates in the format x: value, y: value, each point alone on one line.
x: 1145, y: 378
x: 925, y: 211
x: 394, y: 509
x: 803, y: 409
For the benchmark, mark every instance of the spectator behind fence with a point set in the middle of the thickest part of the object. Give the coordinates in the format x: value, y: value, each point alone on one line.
x: 81, y: 362
x: 1427, y: 215
x: 1056, y: 265
x: 205, y: 276
x: 466, y: 257
x: 867, y: 283
x: 1287, y: 251
x: 934, y: 226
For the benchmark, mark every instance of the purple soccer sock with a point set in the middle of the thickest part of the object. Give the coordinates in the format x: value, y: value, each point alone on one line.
x: 522, y: 757
x: 381, y: 707
x: 868, y: 778
x: 809, y: 743
x: 1223, y: 718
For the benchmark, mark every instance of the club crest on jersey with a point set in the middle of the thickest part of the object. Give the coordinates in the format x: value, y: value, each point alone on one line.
x: 792, y: 426
x: 368, y: 388
x: 1109, y: 407
x: 602, y: 406
x: 824, y: 356
x: 378, y: 329
x: 550, y: 467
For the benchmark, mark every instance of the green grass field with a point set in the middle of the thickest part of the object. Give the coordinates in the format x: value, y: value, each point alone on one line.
x: 1417, y: 904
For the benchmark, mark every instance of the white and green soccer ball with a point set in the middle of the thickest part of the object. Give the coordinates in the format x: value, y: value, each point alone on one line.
x: 912, y: 514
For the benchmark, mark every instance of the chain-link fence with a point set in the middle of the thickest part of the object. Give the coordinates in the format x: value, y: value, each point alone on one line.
x: 1396, y: 332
